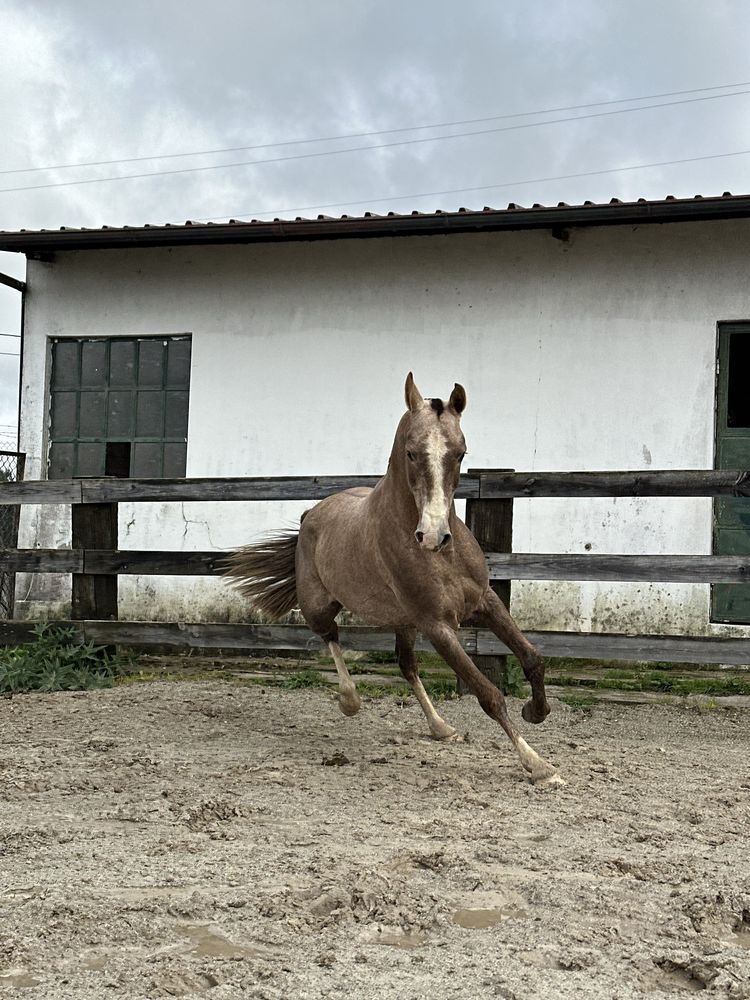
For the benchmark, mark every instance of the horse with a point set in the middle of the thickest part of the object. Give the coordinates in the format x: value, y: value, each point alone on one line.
x: 397, y: 555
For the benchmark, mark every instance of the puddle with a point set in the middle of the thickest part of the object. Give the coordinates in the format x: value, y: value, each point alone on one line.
x: 206, y: 943
x: 481, y: 919
x: 145, y: 893
x: 17, y: 979
x: 96, y: 964
x: 741, y: 938
x: 488, y: 908
x: 405, y: 940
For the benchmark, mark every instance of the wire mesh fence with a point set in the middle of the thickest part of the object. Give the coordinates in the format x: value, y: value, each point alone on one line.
x: 11, y: 471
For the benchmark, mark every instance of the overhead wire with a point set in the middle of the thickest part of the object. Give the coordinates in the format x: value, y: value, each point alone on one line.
x: 370, y: 134
x: 359, y: 149
x: 482, y: 187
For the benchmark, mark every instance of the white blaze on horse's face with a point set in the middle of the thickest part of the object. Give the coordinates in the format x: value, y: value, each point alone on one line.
x: 435, y: 447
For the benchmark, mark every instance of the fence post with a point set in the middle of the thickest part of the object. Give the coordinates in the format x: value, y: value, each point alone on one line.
x: 94, y: 594
x: 491, y: 523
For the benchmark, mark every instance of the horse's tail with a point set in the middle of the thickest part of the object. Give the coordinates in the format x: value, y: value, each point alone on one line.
x: 264, y: 574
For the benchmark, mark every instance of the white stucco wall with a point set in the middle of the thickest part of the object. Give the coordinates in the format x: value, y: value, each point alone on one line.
x: 598, y: 353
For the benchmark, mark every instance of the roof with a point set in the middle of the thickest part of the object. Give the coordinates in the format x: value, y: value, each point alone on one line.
x: 514, y: 217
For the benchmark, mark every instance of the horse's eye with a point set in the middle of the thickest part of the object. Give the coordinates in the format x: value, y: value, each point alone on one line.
x: 410, y: 455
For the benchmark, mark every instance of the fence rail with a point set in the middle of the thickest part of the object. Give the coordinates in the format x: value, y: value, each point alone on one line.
x: 502, y: 566
x: 480, y: 484
x: 95, y: 561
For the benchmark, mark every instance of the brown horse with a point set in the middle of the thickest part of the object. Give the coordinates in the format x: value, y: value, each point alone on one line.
x: 397, y: 555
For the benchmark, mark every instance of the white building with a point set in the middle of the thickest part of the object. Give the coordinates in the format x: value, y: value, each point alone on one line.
x: 587, y: 339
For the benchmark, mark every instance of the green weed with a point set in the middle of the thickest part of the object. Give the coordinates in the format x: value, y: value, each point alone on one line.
x: 583, y: 701
x: 56, y: 661
x: 304, y: 679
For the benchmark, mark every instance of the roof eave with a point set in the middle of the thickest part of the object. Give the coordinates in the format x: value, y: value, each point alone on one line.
x: 632, y: 213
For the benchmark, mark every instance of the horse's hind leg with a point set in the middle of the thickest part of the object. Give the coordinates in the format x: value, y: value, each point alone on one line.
x: 319, y: 610
x: 349, y: 700
x: 496, y: 617
x: 407, y: 662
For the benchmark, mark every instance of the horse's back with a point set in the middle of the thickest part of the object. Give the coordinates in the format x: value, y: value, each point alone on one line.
x: 336, y: 507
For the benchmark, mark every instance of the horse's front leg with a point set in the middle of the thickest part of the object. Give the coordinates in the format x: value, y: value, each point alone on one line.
x: 446, y: 643
x: 407, y: 662
x: 495, y: 616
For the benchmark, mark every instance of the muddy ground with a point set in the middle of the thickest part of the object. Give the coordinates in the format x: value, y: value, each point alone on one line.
x: 223, y: 840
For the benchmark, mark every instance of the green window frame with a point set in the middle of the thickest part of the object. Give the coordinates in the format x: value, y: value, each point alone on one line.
x: 119, y: 406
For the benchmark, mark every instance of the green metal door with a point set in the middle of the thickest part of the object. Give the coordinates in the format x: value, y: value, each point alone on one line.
x: 731, y: 602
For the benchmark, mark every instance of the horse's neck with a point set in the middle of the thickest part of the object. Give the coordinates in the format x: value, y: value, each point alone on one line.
x: 392, y: 498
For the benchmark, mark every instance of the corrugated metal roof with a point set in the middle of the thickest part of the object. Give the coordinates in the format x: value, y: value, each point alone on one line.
x: 371, y: 224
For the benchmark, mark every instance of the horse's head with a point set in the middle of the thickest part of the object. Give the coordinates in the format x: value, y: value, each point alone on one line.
x: 434, y: 448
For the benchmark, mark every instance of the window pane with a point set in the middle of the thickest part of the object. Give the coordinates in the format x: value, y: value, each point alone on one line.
x: 117, y: 459
x: 150, y: 362
x: 61, y: 461
x: 178, y: 363
x: 149, y: 421
x: 176, y: 423
x: 91, y: 420
x: 122, y: 363
x: 738, y: 382
x: 65, y: 364
x: 120, y: 414
x: 146, y: 462
x: 174, y: 460
x: 90, y: 459
x: 94, y: 363
x: 64, y: 414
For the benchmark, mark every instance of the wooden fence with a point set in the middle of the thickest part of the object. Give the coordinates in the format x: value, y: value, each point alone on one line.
x: 95, y: 561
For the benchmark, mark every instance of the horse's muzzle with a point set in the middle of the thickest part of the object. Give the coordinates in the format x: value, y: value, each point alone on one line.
x: 433, y: 541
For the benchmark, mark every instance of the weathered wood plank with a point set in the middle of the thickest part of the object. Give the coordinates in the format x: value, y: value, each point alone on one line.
x: 233, y: 636
x: 586, y: 645
x: 196, y: 489
x: 646, y: 648
x: 157, y: 563
x: 659, y: 483
x: 268, y: 488
x: 491, y: 523
x: 94, y: 525
x: 502, y: 566
x: 488, y: 486
x: 44, y: 491
x: 41, y: 561
x: 258, y: 488
x: 662, y: 568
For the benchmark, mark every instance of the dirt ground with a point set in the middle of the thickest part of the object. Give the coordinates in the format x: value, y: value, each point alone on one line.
x: 226, y: 841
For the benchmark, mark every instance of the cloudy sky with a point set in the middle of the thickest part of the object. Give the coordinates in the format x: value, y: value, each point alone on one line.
x: 232, y: 81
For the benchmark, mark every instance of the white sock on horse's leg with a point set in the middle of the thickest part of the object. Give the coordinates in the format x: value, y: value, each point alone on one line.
x: 438, y: 726
x: 540, y: 771
x: 349, y: 701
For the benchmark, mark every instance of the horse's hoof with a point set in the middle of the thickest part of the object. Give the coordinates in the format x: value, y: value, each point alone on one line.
x: 549, y: 781
x: 531, y: 714
x: 349, y: 702
x: 447, y: 734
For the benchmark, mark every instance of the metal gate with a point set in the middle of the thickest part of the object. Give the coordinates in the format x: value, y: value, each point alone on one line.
x: 11, y: 471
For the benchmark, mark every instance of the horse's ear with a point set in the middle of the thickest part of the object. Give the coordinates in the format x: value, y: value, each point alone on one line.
x: 414, y: 398
x: 457, y: 401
